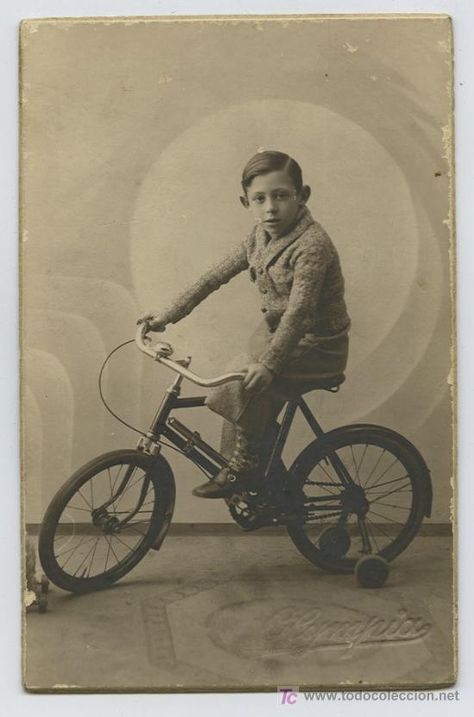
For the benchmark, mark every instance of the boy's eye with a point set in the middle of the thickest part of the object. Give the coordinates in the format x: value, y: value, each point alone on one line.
x: 282, y: 196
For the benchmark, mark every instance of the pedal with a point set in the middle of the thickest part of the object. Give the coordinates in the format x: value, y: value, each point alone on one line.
x: 235, y: 499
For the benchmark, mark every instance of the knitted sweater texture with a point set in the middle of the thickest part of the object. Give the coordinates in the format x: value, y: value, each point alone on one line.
x: 299, y: 279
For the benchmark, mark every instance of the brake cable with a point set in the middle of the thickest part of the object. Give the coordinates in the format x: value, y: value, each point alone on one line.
x: 137, y: 430
x: 128, y: 425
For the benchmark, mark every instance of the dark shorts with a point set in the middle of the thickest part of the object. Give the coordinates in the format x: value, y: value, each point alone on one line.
x: 313, y: 359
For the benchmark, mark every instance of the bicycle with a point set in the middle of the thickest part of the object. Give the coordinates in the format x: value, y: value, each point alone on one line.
x: 332, y: 500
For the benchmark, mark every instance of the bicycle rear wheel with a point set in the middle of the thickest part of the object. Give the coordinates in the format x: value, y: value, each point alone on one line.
x: 390, y: 496
x: 105, y: 518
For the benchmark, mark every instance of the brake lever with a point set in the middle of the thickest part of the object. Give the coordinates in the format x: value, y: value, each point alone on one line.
x: 163, y: 349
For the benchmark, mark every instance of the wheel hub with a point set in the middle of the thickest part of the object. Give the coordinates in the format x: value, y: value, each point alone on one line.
x: 354, y: 501
x: 109, y: 523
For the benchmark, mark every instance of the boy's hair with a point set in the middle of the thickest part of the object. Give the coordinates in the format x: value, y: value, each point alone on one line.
x: 271, y: 161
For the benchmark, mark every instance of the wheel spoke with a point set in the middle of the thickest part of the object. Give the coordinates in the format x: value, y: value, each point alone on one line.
x: 355, y: 465
x: 395, y: 460
x: 378, y: 528
x: 129, y: 486
x: 112, y: 486
x: 390, y: 520
x: 362, y: 459
x: 323, y: 486
x: 93, y: 555
x: 75, y: 507
x: 75, y: 547
x: 333, y: 484
x: 108, y: 553
x: 126, y: 512
x: 109, y: 538
x: 407, y: 490
x: 374, y: 467
x: 328, y: 474
x: 84, y: 499
x: 391, y: 505
x: 387, y: 482
x: 135, y: 530
x: 145, y: 521
x: 391, y: 492
x: 82, y: 562
x: 123, y: 542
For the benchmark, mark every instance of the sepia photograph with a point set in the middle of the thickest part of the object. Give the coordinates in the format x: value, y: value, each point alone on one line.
x: 238, y: 363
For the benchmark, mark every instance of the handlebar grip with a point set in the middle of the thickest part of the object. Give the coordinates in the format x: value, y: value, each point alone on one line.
x: 160, y: 349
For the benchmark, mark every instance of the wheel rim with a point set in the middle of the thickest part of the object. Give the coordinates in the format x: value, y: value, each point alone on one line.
x: 89, y: 544
x: 385, y: 498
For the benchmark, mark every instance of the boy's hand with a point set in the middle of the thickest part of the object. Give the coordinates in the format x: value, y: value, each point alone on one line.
x: 258, y: 378
x: 154, y: 321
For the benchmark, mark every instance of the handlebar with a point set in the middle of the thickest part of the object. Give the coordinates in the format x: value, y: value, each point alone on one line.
x: 161, y: 352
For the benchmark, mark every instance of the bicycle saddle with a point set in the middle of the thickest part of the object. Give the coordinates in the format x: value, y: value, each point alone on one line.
x: 325, y: 384
x: 331, y: 384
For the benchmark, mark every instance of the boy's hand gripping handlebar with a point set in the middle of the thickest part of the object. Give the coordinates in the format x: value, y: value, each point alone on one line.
x: 161, y: 351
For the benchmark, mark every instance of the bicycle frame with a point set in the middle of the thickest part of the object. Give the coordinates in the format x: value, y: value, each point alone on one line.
x: 190, y: 443
x: 203, y: 455
x: 276, y: 497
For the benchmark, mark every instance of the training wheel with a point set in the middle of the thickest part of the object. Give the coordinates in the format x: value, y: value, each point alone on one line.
x: 334, y: 543
x: 372, y: 571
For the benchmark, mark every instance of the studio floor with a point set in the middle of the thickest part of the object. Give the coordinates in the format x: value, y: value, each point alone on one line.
x: 247, y: 611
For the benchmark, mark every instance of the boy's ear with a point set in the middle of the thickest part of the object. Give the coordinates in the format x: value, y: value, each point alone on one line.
x: 244, y: 201
x: 305, y: 193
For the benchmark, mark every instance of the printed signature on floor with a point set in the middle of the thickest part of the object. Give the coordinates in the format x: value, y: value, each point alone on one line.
x: 297, y: 628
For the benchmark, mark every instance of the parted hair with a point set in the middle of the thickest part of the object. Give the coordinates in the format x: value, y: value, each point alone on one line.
x: 271, y: 161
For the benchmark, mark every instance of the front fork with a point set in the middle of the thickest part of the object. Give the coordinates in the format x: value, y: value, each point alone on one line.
x: 148, y: 444
x: 100, y: 516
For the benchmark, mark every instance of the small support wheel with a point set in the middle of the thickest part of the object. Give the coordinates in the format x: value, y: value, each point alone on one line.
x: 372, y: 571
x: 380, y: 464
x: 334, y: 543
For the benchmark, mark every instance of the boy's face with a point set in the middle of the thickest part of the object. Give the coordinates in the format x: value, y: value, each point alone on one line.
x: 274, y: 201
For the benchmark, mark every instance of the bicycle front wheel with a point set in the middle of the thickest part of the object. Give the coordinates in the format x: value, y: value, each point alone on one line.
x: 379, y: 514
x: 105, y: 518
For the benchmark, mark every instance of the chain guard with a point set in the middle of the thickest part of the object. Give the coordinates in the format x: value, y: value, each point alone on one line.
x: 253, y: 510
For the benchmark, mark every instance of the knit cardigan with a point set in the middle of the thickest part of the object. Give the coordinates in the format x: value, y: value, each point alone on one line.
x: 299, y: 279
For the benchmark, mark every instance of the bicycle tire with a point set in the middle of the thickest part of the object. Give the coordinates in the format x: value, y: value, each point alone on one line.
x: 346, y: 437
x: 161, y: 479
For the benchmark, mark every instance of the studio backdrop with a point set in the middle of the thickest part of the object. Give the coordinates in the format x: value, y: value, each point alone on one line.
x: 134, y: 136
